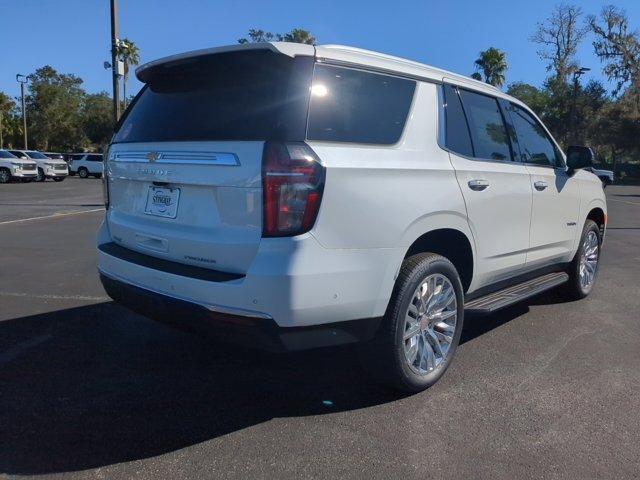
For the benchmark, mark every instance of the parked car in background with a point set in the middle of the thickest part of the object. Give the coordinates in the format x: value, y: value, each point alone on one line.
x: 12, y: 167
x: 47, y: 167
x: 86, y: 165
x: 55, y: 156
x: 336, y: 195
x: 605, y: 176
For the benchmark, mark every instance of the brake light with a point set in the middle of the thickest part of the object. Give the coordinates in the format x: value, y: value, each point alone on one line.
x: 292, y: 182
x: 105, y: 181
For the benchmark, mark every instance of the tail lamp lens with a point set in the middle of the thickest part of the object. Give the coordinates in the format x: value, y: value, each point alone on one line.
x: 105, y: 180
x: 292, y: 181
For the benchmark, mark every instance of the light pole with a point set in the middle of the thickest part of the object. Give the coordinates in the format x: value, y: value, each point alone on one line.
x: 114, y: 60
x: 21, y: 79
x: 576, y: 76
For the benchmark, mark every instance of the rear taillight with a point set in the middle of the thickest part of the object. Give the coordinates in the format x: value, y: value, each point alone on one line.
x: 292, y: 182
x: 105, y: 181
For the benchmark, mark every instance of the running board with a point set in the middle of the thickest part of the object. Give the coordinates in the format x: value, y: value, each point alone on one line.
x: 503, y: 298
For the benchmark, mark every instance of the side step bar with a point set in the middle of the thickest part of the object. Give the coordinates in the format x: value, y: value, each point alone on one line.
x: 503, y: 298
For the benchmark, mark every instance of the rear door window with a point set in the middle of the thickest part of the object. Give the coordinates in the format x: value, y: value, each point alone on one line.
x: 488, y: 130
x: 356, y: 106
x: 95, y: 158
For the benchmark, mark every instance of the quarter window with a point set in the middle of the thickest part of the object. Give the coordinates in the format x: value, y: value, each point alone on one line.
x: 350, y: 105
x: 488, y: 131
x: 457, y: 138
x: 535, y: 145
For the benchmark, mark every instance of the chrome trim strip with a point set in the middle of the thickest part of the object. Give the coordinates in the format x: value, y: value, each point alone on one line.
x: 184, y: 158
x: 209, y: 306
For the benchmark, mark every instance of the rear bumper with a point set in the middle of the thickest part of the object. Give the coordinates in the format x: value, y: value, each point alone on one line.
x: 251, y: 329
x: 294, y: 281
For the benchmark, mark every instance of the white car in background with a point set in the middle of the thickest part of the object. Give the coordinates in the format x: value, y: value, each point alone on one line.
x: 14, y: 167
x: 86, y: 165
x: 46, y: 167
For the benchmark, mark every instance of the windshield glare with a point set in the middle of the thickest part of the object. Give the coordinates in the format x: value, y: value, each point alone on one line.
x: 38, y: 155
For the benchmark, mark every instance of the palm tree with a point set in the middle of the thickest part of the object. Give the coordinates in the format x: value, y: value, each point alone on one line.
x: 129, y: 54
x: 493, y: 65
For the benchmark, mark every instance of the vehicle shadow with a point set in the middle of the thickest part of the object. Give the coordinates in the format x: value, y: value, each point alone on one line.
x: 96, y: 385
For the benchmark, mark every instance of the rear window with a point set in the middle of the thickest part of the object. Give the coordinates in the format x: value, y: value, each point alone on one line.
x: 94, y: 158
x: 350, y: 105
x: 248, y: 95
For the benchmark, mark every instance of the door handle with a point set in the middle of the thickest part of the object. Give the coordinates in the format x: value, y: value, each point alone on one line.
x: 540, y: 185
x: 478, y: 185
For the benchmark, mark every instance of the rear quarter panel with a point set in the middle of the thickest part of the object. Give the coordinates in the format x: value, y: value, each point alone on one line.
x: 385, y: 197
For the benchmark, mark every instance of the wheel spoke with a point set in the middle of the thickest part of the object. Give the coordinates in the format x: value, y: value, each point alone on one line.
x: 433, y: 341
x: 412, y: 352
x: 412, y: 331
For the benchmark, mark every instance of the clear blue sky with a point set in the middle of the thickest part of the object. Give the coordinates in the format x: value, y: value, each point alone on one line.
x: 73, y: 35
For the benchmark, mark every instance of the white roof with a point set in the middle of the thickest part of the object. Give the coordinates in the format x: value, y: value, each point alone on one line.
x: 341, y: 53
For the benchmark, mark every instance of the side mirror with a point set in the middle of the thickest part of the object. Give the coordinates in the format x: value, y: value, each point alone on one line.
x: 579, y: 157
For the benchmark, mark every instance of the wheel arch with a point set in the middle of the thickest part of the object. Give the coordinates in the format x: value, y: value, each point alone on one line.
x: 452, y: 244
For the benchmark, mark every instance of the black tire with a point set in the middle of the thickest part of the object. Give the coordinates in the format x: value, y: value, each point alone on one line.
x: 58, y: 179
x: 83, y: 172
x: 5, y: 175
x: 384, y: 357
x: 574, y: 288
x: 41, y: 177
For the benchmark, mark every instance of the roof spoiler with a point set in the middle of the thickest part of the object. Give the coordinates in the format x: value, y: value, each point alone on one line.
x: 285, y: 48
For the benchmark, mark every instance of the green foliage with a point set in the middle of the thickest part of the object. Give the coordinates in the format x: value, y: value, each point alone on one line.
x: 53, y: 109
x: 492, y: 63
x: 617, y: 47
x: 297, y: 35
x: 96, y: 118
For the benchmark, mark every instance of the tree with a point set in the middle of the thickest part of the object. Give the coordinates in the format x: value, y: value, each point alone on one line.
x: 53, y: 106
x: 559, y: 37
x: 97, y: 118
x: 297, y: 35
x: 129, y: 54
x: 535, y: 98
x: 493, y: 65
x: 7, y: 105
x: 619, y: 50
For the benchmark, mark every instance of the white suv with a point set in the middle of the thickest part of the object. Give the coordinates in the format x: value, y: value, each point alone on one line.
x: 292, y: 196
x: 86, y: 165
x: 47, y: 167
x: 14, y: 167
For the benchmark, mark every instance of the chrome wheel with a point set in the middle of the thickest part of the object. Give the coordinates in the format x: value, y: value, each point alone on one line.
x: 5, y: 176
x: 589, y: 259
x: 430, y: 323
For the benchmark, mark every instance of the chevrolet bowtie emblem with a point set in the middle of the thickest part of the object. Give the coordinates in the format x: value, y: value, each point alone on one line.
x: 152, y: 156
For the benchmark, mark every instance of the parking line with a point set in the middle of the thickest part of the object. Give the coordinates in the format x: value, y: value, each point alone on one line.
x: 55, y: 215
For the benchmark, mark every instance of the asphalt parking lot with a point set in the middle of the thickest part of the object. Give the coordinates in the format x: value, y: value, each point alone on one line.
x: 545, y: 389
